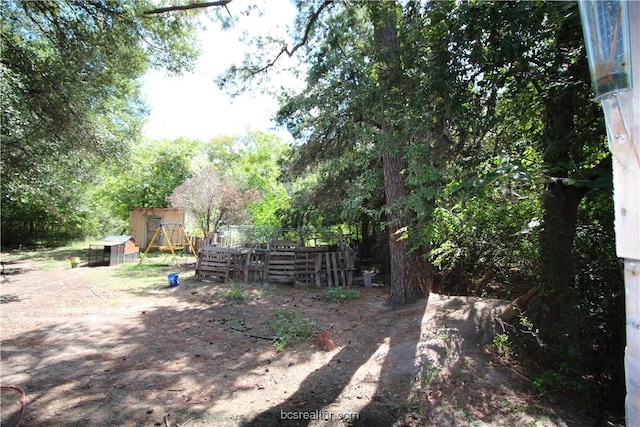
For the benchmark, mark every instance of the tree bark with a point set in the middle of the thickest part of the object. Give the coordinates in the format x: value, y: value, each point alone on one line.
x: 560, y: 212
x: 411, y: 274
x: 560, y: 201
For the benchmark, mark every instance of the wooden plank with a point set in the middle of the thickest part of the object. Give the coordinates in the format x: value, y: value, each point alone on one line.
x: 285, y: 244
x: 254, y: 266
x: 335, y: 268
x: 318, y: 268
x: 328, y: 266
x: 350, y: 263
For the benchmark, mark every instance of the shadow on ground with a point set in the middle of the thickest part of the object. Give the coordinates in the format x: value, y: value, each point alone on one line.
x: 190, y: 356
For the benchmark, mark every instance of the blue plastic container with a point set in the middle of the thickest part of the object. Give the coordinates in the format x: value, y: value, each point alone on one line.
x: 173, y: 280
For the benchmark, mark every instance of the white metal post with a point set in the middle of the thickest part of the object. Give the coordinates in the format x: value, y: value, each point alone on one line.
x: 626, y: 182
x: 613, y: 45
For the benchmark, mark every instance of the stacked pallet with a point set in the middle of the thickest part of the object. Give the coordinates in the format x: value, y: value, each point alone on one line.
x: 282, y: 266
x: 335, y: 268
x: 215, y: 264
x: 306, y: 268
x: 279, y: 264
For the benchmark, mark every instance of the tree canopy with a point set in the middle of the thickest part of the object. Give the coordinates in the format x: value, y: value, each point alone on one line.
x: 70, y: 99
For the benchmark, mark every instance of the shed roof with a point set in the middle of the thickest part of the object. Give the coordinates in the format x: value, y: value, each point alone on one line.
x: 120, y: 239
x: 113, y: 241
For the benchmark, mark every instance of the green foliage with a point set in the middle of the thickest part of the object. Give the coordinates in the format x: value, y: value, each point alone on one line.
x: 488, y: 117
x: 485, y: 105
x: 290, y: 329
x: 154, y: 170
x: 257, y: 167
x: 235, y: 293
x: 502, y: 345
x: 427, y: 374
x: 70, y: 102
x: 340, y: 294
x: 562, y: 379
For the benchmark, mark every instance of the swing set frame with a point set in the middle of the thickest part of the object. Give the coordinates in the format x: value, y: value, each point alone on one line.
x: 173, y: 245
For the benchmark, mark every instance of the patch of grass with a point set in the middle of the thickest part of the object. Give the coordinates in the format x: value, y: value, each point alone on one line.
x: 140, y: 270
x: 142, y: 276
x: 513, y: 407
x: 51, y: 258
x: 400, y: 407
x: 235, y: 293
x: 428, y: 374
x: 289, y: 328
x: 340, y: 294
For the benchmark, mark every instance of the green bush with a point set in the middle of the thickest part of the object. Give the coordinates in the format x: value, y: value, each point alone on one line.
x: 340, y: 294
x: 235, y: 293
x: 290, y: 329
x: 561, y: 379
x: 502, y: 345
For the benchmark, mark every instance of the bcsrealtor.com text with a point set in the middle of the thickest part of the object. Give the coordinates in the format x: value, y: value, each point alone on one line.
x: 318, y: 415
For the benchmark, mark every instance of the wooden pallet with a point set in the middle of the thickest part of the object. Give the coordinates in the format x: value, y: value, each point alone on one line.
x: 254, y: 265
x: 306, y: 263
x: 215, y: 264
x: 335, y: 268
x: 282, y: 267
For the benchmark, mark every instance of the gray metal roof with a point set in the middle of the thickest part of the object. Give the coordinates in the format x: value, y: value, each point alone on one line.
x: 113, y: 241
x: 119, y: 239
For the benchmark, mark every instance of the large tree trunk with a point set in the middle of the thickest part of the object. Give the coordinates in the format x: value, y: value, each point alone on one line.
x: 560, y: 211
x: 411, y: 274
x: 560, y: 202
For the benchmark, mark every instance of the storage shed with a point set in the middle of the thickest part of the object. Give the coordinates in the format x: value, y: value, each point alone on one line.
x: 113, y: 250
x: 143, y: 222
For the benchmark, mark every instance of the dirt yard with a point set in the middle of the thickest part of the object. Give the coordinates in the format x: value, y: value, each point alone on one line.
x: 113, y: 346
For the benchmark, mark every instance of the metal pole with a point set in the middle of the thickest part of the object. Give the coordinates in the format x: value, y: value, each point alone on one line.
x: 612, y: 38
x: 627, y: 202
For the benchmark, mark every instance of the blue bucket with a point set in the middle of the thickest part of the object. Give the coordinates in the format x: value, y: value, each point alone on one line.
x: 173, y: 280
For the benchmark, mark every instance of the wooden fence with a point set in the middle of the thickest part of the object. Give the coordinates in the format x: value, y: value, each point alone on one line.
x: 279, y: 263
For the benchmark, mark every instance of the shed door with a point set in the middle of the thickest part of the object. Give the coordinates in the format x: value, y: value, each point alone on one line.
x: 153, y: 223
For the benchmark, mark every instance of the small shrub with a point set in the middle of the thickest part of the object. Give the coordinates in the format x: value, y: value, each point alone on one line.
x: 234, y: 293
x: 562, y: 378
x: 340, y: 294
x: 290, y: 329
x: 502, y: 345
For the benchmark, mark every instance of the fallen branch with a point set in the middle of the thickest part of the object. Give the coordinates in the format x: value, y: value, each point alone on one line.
x: 250, y: 335
x: 517, y: 306
x: 261, y: 337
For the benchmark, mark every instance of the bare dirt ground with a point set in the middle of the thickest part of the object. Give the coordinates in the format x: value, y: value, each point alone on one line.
x: 91, y: 347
